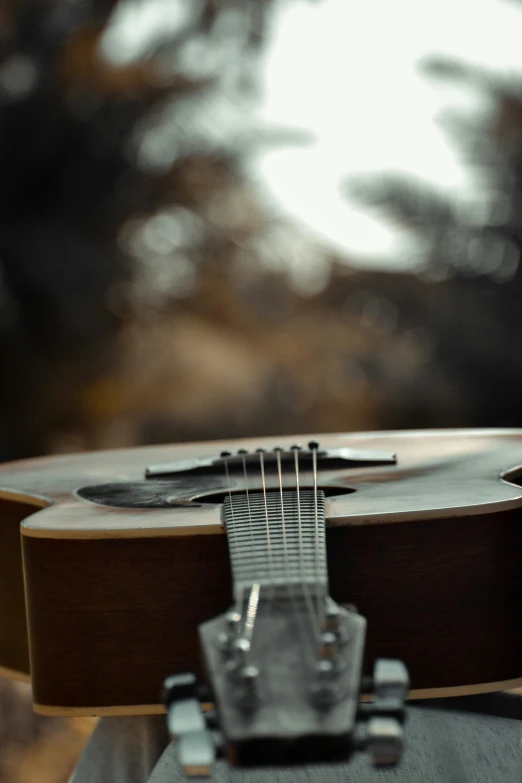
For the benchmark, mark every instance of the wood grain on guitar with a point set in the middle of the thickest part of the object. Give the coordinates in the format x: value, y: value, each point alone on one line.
x: 427, y: 548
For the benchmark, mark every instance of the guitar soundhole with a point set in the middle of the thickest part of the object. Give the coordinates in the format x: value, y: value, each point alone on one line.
x: 219, y: 497
x: 173, y: 493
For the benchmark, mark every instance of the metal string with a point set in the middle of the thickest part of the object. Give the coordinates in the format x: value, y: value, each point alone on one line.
x: 315, y: 612
x: 268, y: 541
x: 319, y: 597
x: 251, y: 612
x: 240, y: 595
x: 243, y: 459
x: 292, y: 591
x: 308, y: 599
x: 248, y: 629
x: 283, y: 525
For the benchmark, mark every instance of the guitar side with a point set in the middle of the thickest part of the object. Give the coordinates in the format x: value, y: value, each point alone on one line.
x: 14, y: 651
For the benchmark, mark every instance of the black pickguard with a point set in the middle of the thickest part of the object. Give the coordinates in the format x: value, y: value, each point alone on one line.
x: 153, y: 494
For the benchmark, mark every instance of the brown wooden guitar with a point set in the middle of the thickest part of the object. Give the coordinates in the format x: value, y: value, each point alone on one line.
x: 124, y: 555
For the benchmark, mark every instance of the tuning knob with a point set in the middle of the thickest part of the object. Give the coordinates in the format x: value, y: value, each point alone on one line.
x: 390, y: 685
x: 384, y: 741
x: 391, y: 680
x: 187, y: 726
x: 382, y: 735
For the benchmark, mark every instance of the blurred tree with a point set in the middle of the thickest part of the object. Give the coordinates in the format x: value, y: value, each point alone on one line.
x: 474, y: 245
x: 147, y: 294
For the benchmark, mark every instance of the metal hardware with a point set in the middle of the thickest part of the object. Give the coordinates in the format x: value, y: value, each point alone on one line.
x: 325, y: 686
x: 383, y: 735
x: 187, y: 726
x: 352, y: 458
x: 385, y: 741
x: 332, y: 618
x: 248, y: 679
x: 328, y: 645
x: 240, y: 649
x: 233, y: 619
x: 378, y: 729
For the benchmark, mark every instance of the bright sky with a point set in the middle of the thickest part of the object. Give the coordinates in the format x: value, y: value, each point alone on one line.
x: 346, y: 73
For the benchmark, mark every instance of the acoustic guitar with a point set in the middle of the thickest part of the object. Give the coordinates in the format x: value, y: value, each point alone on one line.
x: 265, y: 578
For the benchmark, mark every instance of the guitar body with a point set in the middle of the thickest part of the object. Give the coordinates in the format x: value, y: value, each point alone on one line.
x: 117, y: 578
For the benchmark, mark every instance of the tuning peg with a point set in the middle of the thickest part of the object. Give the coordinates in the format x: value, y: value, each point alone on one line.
x: 313, y: 445
x: 227, y: 638
x: 331, y: 618
x: 196, y: 753
x: 383, y: 735
x: 391, y: 679
x: 248, y: 679
x: 385, y: 741
x: 382, y: 738
x: 179, y: 687
x: 249, y: 675
x: 328, y: 646
x: 187, y: 726
x: 233, y: 619
x: 324, y: 687
x: 390, y: 685
x: 240, y: 649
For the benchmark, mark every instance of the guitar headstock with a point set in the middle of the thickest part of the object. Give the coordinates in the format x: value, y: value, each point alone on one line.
x: 286, y: 697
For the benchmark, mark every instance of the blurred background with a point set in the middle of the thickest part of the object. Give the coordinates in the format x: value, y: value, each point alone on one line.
x: 225, y: 218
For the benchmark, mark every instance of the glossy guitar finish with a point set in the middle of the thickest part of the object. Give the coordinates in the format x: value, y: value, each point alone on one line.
x: 429, y: 549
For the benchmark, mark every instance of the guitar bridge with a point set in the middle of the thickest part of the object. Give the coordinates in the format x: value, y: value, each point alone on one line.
x: 326, y: 458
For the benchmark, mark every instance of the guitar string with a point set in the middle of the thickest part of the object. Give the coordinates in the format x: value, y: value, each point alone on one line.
x: 306, y: 593
x: 240, y: 595
x: 252, y: 541
x: 283, y: 524
x: 251, y: 613
x: 292, y: 589
x: 252, y: 603
x: 243, y: 458
x: 320, y: 599
x: 267, y: 523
